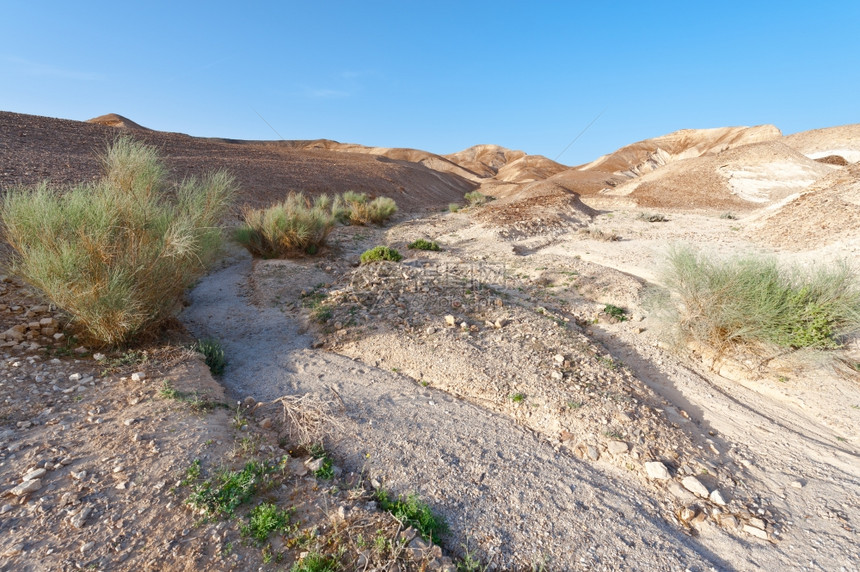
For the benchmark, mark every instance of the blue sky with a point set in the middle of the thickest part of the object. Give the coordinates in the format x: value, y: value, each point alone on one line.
x: 440, y: 76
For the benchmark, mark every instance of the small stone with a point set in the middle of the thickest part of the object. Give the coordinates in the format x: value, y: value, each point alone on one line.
x: 87, y: 547
x: 558, y: 358
x: 315, y: 465
x: 138, y: 376
x: 34, y: 474
x: 796, y: 484
x: 464, y: 325
x: 298, y: 468
x: 717, y: 497
x: 27, y: 487
x: 593, y: 453
x: 121, y: 486
x: 758, y: 523
x: 75, y: 377
x: 249, y: 401
x: 5, y: 508
x: 686, y: 514
x: 557, y: 375
x: 79, y: 519
x: 430, y: 331
x: 617, y: 447
x: 450, y: 320
x: 13, y: 551
x: 695, y: 486
x: 69, y: 498
x: 98, y: 356
x: 58, y: 336
x: 79, y: 475
x: 753, y: 531
x: 266, y: 423
x: 657, y: 470
x: 129, y: 421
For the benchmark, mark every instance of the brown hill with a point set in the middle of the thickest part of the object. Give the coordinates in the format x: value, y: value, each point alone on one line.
x: 34, y: 148
x: 115, y: 120
x: 485, y: 160
x: 842, y: 141
x: 650, y: 154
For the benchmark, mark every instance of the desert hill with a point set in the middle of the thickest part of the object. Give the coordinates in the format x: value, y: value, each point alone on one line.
x: 842, y: 141
x: 115, y: 120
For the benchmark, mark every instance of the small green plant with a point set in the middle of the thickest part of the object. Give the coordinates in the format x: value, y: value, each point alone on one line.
x: 167, y: 391
x: 356, y: 208
x: 651, y: 217
x: 192, y: 473
x: 470, y: 562
x: 475, y: 198
x: 453, y: 207
x: 728, y: 216
x: 422, y: 244
x: 117, y: 254
x: 412, y: 511
x: 213, y: 354
x: 518, y: 397
x: 227, y: 490
x: 575, y: 404
x: 608, y: 362
x: 379, y: 254
x: 613, y: 311
x: 755, y: 301
x: 265, y: 519
x: 326, y: 470
x: 315, y: 562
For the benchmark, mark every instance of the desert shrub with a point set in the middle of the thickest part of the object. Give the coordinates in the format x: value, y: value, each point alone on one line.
x: 614, y: 311
x: 355, y: 208
x: 755, y: 301
x: 412, y: 511
x: 295, y: 226
x: 422, y: 244
x: 728, y: 216
x: 213, y: 354
x: 598, y: 234
x: 476, y: 198
x: 652, y: 217
x: 117, y: 254
x: 453, y: 207
x: 379, y: 254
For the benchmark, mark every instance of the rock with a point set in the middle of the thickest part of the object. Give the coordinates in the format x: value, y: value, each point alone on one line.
x: 500, y: 323
x: 249, y: 401
x: 686, y: 514
x: 617, y: 447
x: 559, y: 359
x: 753, y: 531
x: 98, y: 356
x: 138, y: 376
x: 695, y: 486
x: 593, y: 453
x: 557, y: 375
x: 796, y: 484
x: 298, y: 468
x: 430, y: 331
x: 717, y: 497
x: 69, y: 498
x: 6, y: 508
x: 728, y: 521
x: 450, y: 321
x: 75, y: 377
x: 79, y: 475
x: 13, y: 551
x: 87, y: 547
x: 34, y: 474
x: 79, y: 519
x: 657, y: 470
x: 266, y: 423
x: 758, y: 523
x: 315, y: 465
x: 464, y: 325
x: 27, y: 487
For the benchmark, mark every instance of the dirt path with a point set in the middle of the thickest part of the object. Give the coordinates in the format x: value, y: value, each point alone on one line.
x: 506, y: 492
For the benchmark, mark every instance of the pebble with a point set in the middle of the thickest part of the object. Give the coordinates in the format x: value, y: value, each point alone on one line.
x: 87, y: 547
x: 138, y: 376
x: 79, y: 519
x: 657, y: 470
x: 450, y: 320
x: 717, y: 497
x: 266, y: 423
x: 757, y: 532
x: 27, y: 487
x: 34, y: 474
x: 593, y: 453
x: 617, y: 447
x: 695, y: 486
x: 796, y: 484
x: 5, y: 508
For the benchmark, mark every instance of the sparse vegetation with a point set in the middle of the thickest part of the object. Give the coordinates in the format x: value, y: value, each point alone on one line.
x: 453, y: 207
x: 412, y: 511
x: 728, y: 216
x: 475, y: 198
x: 754, y: 301
x: 315, y: 562
x: 117, y: 254
x: 422, y: 244
x: 599, y: 234
x: 213, y: 354
x: 295, y: 226
x: 227, y: 490
x: 264, y: 519
x: 357, y: 208
x: 613, y: 311
x: 518, y: 397
x: 380, y: 254
x: 652, y: 217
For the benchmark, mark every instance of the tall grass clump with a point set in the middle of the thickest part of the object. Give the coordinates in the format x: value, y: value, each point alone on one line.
x: 755, y: 301
x: 356, y: 208
x: 117, y: 254
x: 296, y: 225
x: 475, y: 198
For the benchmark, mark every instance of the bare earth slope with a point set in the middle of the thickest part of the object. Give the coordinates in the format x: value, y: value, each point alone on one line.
x: 33, y: 149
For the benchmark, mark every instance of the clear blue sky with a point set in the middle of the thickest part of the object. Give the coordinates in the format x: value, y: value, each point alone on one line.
x: 439, y: 75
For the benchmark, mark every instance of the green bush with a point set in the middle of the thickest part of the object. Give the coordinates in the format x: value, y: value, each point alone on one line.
x: 379, y: 254
x: 213, y: 354
x: 295, y: 226
x: 476, y: 198
x: 412, y: 511
x: 117, y: 254
x: 355, y: 208
x: 753, y: 300
x: 453, y: 207
x: 422, y: 244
